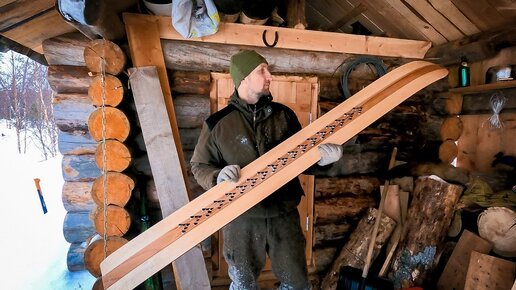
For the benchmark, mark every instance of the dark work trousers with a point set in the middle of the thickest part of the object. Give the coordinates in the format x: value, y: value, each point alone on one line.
x: 248, y: 239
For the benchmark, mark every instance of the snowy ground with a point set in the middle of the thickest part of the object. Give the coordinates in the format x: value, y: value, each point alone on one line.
x: 32, y: 247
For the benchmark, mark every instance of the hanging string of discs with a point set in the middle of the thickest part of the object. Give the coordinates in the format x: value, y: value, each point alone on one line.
x: 104, y: 155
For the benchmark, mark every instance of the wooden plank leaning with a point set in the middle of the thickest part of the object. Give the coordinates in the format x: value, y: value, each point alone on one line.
x: 179, y: 232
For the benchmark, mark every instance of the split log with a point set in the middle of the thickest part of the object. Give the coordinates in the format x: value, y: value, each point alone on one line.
x: 118, y: 189
x: 79, y: 168
x: 191, y: 110
x: 75, y: 142
x: 68, y: 79
x: 77, y: 226
x: 451, y: 129
x: 118, y: 156
x: 190, y: 82
x: 76, y: 196
x: 448, y: 151
x: 71, y: 112
x: 323, y: 257
x: 188, y: 56
x: 94, y: 253
x: 118, y: 220
x: 66, y: 49
x: 110, y: 88
x: 331, y: 233
x: 75, y: 257
x: 334, y: 186
x: 189, y: 138
x: 354, y: 253
x: 429, y: 217
x: 338, y: 208
x: 117, y: 125
x: 102, y: 55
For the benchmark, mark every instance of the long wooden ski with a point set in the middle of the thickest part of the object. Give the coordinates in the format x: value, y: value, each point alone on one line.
x: 173, y: 236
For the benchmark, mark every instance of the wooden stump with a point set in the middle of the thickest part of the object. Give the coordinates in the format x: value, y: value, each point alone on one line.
x: 76, y: 196
x: 117, y: 154
x: 109, y: 86
x: 116, y: 124
x: 354, y: 253
x: 118, y: 220
x: 118, y: 191
x: 429, y: 217
x: 94, y: 253
x: 77, y: 227
x: 101, y: 51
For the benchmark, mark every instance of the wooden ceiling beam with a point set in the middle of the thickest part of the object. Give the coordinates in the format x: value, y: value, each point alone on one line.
x: 18, y: 11
x: 296, y: 16
x: 251, y: 35
x: 9, y: 44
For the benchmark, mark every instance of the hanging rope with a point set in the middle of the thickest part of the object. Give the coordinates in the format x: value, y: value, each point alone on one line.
x: 497, y: 102
x: 104, y: 155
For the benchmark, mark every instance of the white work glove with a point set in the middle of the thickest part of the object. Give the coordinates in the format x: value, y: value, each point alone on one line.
x: 230, y: 172
x: 329, y: 153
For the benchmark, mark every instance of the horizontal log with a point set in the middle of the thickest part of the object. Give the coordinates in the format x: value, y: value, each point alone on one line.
x: 76, y: 196
x: 96, y: 251
x: 71, y: 112
x: 191, y: 110
x: 75, y: 257
x: 323, y: 257
x: 187, y: 56
x: 109, y: 123
x: 334, y: 186
x: 118, y: 189
x: 478, y: 104
x: 333, y: 210
x: 190, y: 82
x: 69, y: 79
x: 189, y: 138
x: 106, y: 90
x: 355, y: 163
x: 117, y: 220
x: 66, y: 49
x: 80, y: 168
x: 118, y: 156
x: 77, y: 226
x: 331, y: 233
x: 75, y: 142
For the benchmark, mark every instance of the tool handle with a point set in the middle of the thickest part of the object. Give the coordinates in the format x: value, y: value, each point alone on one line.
x: 40, y: 194
x: 378, y: 217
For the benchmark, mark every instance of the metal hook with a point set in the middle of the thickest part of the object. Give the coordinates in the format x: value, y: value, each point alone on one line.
x: 264, y: 38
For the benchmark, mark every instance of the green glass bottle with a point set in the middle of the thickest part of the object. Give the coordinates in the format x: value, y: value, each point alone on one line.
x: 463, y: 72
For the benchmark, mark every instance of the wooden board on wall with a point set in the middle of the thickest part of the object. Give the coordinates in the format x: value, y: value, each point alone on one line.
x: 479, y: 142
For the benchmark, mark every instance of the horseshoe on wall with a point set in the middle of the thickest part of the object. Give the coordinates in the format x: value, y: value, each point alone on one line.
x: 264, y: 38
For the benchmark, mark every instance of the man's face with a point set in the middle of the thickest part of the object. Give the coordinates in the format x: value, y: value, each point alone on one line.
x: 258, y: 83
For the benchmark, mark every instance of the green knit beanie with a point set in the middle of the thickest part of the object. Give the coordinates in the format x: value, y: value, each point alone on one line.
x: 243, y: 63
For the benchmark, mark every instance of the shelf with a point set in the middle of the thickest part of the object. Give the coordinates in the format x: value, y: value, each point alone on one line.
x: 484, y: 88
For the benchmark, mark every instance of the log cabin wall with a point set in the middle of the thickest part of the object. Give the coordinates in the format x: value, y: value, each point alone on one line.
x: 341, y: 196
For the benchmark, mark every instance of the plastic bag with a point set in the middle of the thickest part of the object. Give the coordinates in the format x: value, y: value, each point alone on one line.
x: 195, y: 18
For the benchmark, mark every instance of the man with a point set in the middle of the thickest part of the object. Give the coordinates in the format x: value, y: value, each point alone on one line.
x: 230, y: 139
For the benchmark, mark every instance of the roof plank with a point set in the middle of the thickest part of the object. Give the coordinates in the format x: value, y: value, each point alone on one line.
x: 15, y: 12
x: 448, y: 9
x: 439, y: 22
x: 481, y: 13
x: 428, y: 30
